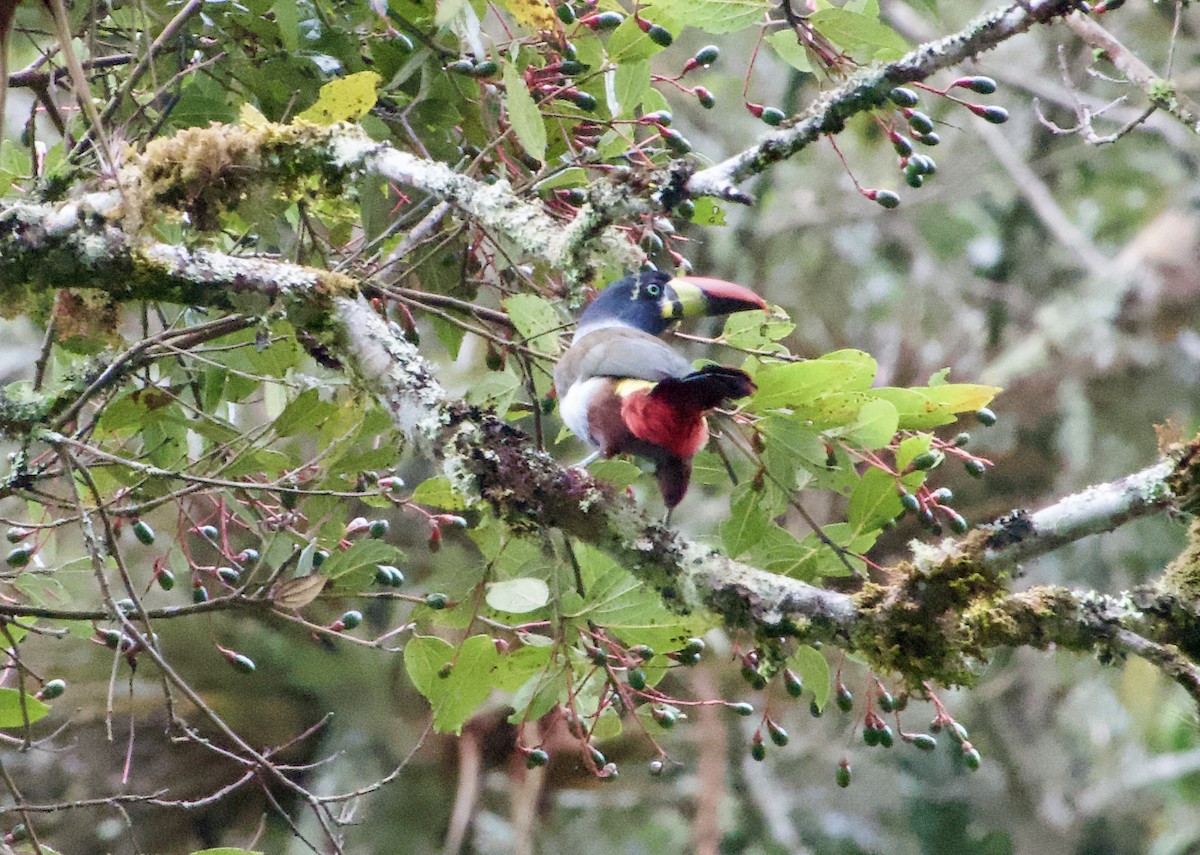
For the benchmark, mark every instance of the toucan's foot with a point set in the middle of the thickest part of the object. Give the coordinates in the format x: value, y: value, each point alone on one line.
x: 587, y: 461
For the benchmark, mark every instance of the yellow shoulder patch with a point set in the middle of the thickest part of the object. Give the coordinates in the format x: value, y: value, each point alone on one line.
x: 625, y: 388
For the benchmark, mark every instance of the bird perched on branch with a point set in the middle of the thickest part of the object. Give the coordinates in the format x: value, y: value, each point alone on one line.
x: 623, y: 390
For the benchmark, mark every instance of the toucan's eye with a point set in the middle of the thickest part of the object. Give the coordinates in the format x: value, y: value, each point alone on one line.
x: 653, y: 290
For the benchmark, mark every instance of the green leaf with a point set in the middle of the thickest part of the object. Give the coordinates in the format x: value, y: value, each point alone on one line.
x: 10, y: 708
x: 799, y: 384
x: 788, y: 48
x: 709, y: 213
x: 454, y: 681
x: 303, y: 413
x: 714, y: 16
x: 631, y: 82
x: 619, y: 474
x: 757, y: 330
x: 877, y: 423
x: 910, y: 448
x: 496, y: 389
x: 523, y: 113
x: 518, y: 596
x: 746, y: 524
x: 628, y: 44
x: 873, y: 501
x: 437, y: 492
x: 354, y: 569
x: 864, y: 37
x: 536, y: 319
x: 927, y: 407
x: 814, y: 672
x: 343, y: 100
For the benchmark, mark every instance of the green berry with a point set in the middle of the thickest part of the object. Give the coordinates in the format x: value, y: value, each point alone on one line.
x: 199, y: 594
x: 242, y: 663
x: 962, y: 440
x: 661, y: 36
x: 165, y: 579
x: 389, y: 576
x: 565, y: 14
x: 887, y: 703
x: 17, y: 534
x: 676, y: 141
x: 778, y: 735
x: 920, y: 123
x: 926, y: 164
x: 910, y: 502
x: 666, y: 718
x: 972, y: 759
x: 287, y: 498
x: 584, y: 101
x: 642, y: 651
x: 772, y: 116
x: 604, y: 20
x: 536, y: 757
x: 975, y: 468
x: 437, y: 601
x: 843, y: 774
x: 742, y: 708
x: 902, y: 145
x: 19, y: 557
x: 686, y: 209
x: 902, y: 97
x: 914, y: 179
x: 958, y: 524
x: 707, y: 99
x: 637, y: 679
x: 930, y: 139
x: 995, y: 115
x: 926, y: 460
x: 758, y: 751
x: 924, y: 741
x: 53, y: 689
x: 378, y: 528
x: 870, y: 735
x: 982, y: 85
x: 985, y: 417
x: 571, y: 67
x: 707, y: 55
x: 229, y: 575
x: 351, y: 619
x: 486, y: 68
x: 462, y: 66
x: 845, y: 698
x: 814, y: 710
x: 319, y: 557
x: 793, y: 683
x: 659, y: 117
x: 208, y: 531
x: 143, y: 532
x: 886, y: 739
x: 886, y: 198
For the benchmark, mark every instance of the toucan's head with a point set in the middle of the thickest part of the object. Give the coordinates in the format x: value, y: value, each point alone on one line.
x: 652, y: 301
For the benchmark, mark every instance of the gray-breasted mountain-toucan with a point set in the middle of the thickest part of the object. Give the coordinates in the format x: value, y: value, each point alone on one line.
x: 623, y: 390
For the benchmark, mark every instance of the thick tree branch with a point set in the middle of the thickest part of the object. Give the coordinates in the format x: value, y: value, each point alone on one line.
x: 868, y: 90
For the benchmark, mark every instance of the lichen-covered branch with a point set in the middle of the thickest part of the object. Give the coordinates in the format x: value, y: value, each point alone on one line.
x: 868, y: 90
